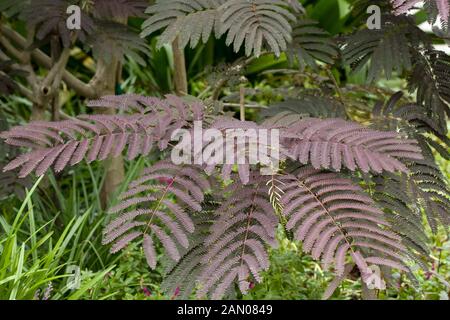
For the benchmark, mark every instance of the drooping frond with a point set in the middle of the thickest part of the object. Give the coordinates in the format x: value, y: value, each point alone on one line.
x: 191, y: 21
x: 98, y: 23
x: 387, y: 48
x: 296, y: 6
x: 336, y: 143
x: 236, y: 252
x: 147, y: 210
x: 413, y: 121
x: 430, y: 78
x: 308, y: 105
x: 10, y: 184
x: 444, y: 9
x: 391, y: 192
x: 393, y: 115
x: 425, y: 185
x: 97, y: 137
x: 334, y: 218
x: 115, y: 40
x: 311, y: 43
x: 180, y: 277
x: 430, y: 188
x: 119, y: 9
x: 255, y: 23
x: 438, y: 10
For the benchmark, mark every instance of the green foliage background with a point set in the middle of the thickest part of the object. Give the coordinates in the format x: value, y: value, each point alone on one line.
x: 60, y: 225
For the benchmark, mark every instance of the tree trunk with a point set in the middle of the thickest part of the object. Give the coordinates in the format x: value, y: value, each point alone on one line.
x: 115, y: 175
x: 38, y: 112
x: 180, y: 76
x: 55, y: 53
x: 47, y: 94
x: 105, y: 82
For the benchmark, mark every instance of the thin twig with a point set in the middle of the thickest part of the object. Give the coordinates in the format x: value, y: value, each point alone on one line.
x: 242, y: 102
x: 241, y: 63
x: 339, y: 91
x: 238, y: 105
x: 55, y: 73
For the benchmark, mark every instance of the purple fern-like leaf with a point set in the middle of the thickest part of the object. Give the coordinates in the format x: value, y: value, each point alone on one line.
x: 236, y: 246
x: 335, y: 219
x: 336, y: 143
x: 148, y: 206
x: 97, y: 137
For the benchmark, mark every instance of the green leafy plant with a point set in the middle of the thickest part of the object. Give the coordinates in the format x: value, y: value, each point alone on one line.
x: 352, y: 193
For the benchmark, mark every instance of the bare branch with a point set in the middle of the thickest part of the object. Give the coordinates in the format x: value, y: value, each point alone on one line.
x: 12, y: 51
x: 81, y: 88
x: 57, y: 70
x: 27, y: 93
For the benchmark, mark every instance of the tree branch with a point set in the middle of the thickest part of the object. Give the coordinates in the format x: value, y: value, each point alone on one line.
x: 57, y: 69
x: 22, y: 89
x: 81, y: 88
x: 12, y: 51
x: 27, y: 93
